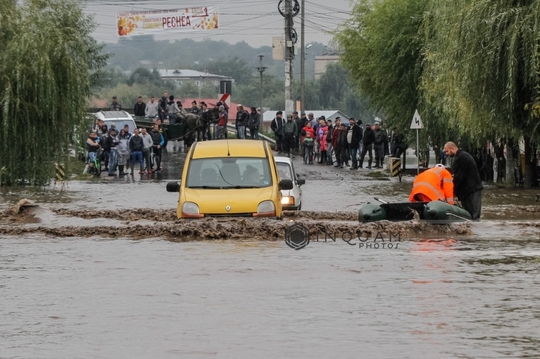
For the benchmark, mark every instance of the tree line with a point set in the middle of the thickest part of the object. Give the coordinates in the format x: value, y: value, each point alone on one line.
x: 331, y: 92
x: 48, y: 65
x: 471, y: 67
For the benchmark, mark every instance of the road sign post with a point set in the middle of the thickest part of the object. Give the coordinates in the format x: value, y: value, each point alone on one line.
x: 416, y: 124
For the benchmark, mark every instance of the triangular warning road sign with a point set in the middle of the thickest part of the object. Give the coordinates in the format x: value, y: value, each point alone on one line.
x: 416, y: 123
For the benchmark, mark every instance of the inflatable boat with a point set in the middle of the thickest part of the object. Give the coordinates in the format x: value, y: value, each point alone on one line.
x: 436, y: 212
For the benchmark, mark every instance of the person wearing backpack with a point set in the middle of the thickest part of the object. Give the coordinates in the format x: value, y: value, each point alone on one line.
x: 253, y: 124
x: 289, y: 135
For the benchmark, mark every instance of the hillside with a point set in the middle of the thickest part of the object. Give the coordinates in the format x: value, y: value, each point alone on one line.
x: 143, y: 51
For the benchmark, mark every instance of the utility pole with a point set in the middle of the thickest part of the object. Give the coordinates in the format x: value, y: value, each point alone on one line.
x: 289, y: 56
x: 302, y: 58
x: 200, y: 85
x: 261, y: 70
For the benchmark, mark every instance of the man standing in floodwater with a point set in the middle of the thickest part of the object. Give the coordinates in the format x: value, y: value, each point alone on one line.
x: 467, y: 183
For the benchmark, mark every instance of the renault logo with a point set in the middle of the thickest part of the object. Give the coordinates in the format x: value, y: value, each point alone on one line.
x: 228, y: 208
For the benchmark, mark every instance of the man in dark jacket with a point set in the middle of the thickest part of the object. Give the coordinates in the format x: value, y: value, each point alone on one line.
x: 296, y: 119
x: 115, y: 106
x: 354, y: 136
x: 162, y: 107
x: 467, y: 183
x: 241, y: 121
x: 277, y: 128
x: 139, y: 109
x: 194, y: 108
x: 398, y: 145
x: 301, y: 121
x: 329, y: 151
x: 254, y: 123
x: 341, y: 145
x: 136, y: 146
x: 289, y: 136
x: 110, y: 146
x: 380, y: 139
x: 367, y: 146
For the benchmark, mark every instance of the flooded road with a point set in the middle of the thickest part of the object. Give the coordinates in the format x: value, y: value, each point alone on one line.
x: 140, y: 291
x: 95, y: 298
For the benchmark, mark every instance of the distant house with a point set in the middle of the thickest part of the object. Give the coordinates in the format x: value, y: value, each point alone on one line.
x: 321, y: 62
x: 180, y: 76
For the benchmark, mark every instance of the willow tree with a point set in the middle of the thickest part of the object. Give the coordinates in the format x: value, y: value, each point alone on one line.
x: 382, y: 51
x: 47, y: 66
x: 482, y: 66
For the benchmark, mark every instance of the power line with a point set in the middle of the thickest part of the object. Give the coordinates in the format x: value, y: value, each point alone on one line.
x: 235, y: 16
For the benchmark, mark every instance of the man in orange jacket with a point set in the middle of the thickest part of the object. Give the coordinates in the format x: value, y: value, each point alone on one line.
x: 432, y: 185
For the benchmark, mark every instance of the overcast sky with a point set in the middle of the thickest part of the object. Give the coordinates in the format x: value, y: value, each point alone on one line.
x: 255, y: 21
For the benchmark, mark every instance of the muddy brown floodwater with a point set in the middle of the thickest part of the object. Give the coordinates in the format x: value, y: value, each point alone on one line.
x: 103, y: 269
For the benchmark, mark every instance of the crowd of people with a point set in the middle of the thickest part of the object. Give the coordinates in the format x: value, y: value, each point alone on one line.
x: 164, y: 108
x: 343, y: 143
x: 121, y: 150
x: 167, y: 108
x: 339, y: 143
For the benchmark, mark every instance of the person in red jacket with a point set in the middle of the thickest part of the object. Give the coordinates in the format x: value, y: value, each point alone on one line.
x: 433, y: 184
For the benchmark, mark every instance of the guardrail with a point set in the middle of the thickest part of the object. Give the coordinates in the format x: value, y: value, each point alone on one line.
x: 232, y: 129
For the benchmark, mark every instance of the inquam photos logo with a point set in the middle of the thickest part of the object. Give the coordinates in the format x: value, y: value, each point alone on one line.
x: 298, y: 237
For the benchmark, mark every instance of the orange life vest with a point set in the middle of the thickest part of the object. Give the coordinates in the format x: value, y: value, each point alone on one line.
x: 432, y: 185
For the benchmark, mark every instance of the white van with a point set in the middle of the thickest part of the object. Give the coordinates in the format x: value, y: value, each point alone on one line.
x: 118, y: 118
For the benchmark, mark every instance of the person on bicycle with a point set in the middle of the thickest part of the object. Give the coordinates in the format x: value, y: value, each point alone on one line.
x: 93, y: 146
x: 158, y: 142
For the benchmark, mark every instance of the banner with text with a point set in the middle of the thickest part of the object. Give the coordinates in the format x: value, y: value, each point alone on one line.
x: 150, y: 22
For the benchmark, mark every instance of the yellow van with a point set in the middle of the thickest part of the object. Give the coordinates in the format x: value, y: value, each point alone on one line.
x: 230, y: 178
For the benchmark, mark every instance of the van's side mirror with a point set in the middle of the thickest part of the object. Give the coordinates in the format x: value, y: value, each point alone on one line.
x: 301, y: 181
x: 173, y: 187
x: 285, y: 184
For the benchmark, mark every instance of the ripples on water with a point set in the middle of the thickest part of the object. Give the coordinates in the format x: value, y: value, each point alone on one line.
x: 93, y: 298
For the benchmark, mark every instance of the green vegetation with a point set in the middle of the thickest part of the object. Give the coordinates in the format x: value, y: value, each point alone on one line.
x: 48, y: 64
x: 471, y: 68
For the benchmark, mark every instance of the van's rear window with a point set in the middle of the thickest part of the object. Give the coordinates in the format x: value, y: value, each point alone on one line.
x: 229, y: 172
x: 119, y: 124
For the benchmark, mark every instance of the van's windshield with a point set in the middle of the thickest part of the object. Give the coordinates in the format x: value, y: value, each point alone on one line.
x: 227, y: 172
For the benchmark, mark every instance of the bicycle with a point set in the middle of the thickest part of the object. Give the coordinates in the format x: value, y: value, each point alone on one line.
x: 155, y: 160
x: 96, y: 169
